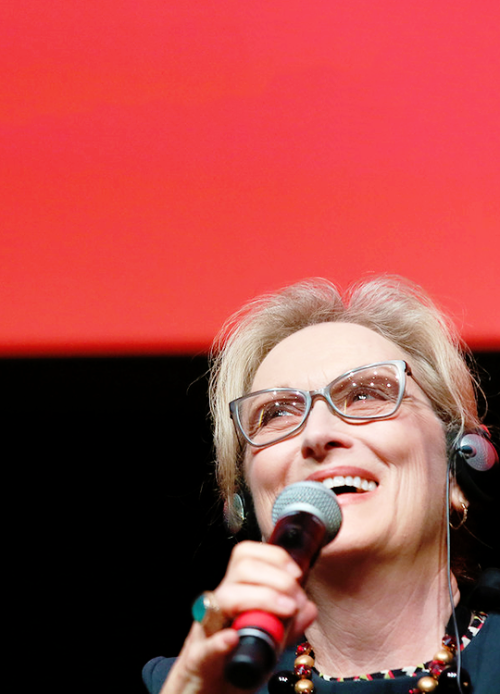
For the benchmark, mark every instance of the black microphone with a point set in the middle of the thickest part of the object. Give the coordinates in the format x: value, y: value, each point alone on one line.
x: 307, y: 516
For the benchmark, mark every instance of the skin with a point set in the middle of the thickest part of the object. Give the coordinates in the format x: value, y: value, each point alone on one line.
x: 377, y: 597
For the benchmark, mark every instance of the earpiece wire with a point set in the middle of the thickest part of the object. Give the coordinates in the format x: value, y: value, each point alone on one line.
x: 450, y: 590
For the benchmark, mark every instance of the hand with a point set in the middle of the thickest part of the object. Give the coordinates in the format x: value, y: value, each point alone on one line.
x: 258, y: 577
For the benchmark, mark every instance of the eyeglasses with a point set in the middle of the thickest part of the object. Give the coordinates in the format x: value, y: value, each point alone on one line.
x: 364, y: 394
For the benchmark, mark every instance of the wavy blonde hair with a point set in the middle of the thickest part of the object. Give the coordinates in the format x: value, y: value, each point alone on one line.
x: 395, y: 308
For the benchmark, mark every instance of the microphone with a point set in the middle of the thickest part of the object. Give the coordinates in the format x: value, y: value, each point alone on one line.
x: 307, y: 517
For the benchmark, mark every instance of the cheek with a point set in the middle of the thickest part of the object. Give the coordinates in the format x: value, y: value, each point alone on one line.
x: 265, y: 477
x: 423, y: 466
x: 263, y: 505
x: 422, y: 438
x: 266, y: 468
x: 433, y: 442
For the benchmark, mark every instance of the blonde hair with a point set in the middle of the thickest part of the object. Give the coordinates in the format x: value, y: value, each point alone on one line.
x: 395, y: 308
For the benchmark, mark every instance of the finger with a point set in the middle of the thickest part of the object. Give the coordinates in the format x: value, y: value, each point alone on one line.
x: 205, y: 652
x: 237, y: 598
x: 252, y: 570
x: 199, y: 669
x: 271, y: 554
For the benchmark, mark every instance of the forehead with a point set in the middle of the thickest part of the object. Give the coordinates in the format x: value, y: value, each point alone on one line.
x: 315, y: 355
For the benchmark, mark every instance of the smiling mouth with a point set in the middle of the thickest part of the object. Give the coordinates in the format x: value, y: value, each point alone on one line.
x: 341, y: 484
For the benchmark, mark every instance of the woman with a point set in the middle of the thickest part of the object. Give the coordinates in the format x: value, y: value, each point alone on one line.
x: 378, y: 601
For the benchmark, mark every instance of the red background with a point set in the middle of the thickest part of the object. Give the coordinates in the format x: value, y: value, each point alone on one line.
x: 162, y: 162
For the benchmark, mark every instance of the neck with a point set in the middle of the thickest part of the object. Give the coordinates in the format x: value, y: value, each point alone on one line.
x: 371, y: 617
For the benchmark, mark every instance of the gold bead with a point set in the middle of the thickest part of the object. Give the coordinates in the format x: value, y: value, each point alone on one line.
x: 304, y: 687
x: 427, y: 684
x: 444, y: 656
x: 304, y: 660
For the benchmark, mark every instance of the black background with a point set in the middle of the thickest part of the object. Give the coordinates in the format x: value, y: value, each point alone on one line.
x: 112, y: 513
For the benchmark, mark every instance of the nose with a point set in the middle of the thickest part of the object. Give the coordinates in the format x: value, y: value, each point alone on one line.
x: 322, y: 432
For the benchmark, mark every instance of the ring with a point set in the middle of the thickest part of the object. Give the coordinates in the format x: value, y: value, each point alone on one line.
x: 207, y: 612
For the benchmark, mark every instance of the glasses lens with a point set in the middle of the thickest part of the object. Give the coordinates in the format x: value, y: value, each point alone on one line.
x: 369, y: 393
x: 267, y: 417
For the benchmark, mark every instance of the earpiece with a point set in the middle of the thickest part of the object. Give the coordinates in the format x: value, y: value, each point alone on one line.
x: 476, y: 465
x: 477, y: 451
x: 234, y: 514
x: 239, y: 517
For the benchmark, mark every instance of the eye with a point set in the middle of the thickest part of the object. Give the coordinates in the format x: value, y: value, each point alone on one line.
x: 366, y: 394
x: 363, y: 394
x: 277, y: 414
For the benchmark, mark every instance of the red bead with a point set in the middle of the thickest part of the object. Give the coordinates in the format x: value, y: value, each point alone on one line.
x: 450, y: 642
x: 303, y: 671
x: 303, y: 649
x: 436, y: 668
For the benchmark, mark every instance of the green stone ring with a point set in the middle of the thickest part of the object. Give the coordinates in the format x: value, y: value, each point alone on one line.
x: 207, y: 612
x: 199, y: 608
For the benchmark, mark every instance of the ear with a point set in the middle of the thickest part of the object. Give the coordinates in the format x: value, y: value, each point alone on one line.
x: 457, y: 498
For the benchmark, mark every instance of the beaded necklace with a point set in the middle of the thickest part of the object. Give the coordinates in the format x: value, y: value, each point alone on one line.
x: 440, y: 672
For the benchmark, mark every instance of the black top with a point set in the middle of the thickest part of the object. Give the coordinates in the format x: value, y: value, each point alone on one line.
x: 481, y: 659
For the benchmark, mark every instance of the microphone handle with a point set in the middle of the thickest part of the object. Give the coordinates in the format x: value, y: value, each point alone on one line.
x: 302, y: 535
x: 262, y: 635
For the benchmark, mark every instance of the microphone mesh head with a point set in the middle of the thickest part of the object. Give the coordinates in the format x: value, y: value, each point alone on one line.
x: 313, y: 498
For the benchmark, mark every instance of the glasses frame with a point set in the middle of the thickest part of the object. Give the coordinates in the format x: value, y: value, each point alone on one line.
x: 324, y: 393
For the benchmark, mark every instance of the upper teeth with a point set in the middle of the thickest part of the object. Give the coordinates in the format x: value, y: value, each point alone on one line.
x: 348, y: 481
